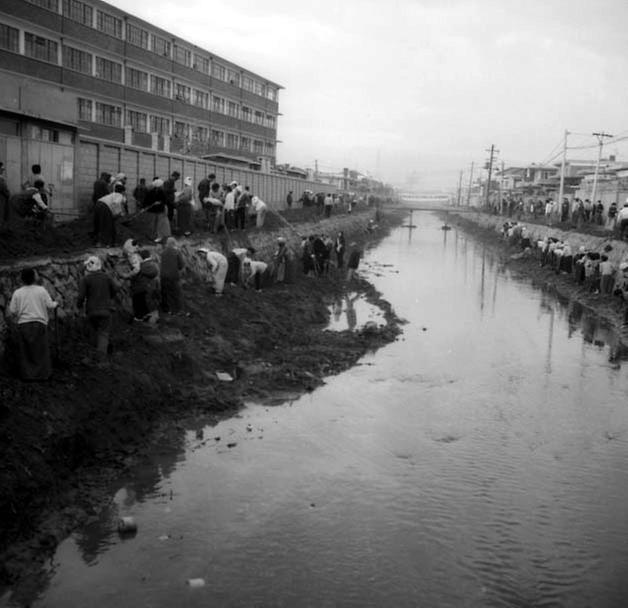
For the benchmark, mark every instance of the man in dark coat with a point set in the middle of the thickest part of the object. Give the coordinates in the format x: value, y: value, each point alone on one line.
x: 169, y: 190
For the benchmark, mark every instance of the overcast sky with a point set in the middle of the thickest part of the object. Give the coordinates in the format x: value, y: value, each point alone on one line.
x: 393, y: 87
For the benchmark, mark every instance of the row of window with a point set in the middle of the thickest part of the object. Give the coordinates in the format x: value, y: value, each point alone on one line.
x: 111, y: 71
x: 84, y: 13
x: 141, y: 122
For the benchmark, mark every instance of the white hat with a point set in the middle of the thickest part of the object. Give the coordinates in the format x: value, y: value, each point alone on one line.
x: 158, y: 183
x: 187, y: 181
x: 202, y: 250
x: 93, y: 263
x: 623, y: 266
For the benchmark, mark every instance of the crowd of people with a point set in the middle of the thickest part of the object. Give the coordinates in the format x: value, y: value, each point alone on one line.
x: 155, y: 286
x: 591, y: 269
x: 170, y: 206
x: 576, y: 211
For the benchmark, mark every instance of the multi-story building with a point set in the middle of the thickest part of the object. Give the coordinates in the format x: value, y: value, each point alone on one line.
x: 73, y: 69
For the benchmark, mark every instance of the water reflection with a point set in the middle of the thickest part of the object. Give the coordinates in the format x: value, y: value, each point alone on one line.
x: 355, y: 308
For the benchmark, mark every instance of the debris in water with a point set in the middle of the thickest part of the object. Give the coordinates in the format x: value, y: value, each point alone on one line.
x: 232, y: 445
x: 164, y: 537
x: 195, y: 583
x: 216, y: 438
x: 127, y: 525
x: 423, y: 328
x: 224, y: 376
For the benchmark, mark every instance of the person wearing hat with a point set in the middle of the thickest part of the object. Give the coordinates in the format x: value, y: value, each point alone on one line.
x: 28, y: 307
x: 217, y: 266
x: 622, y: 220
x: 229, y: 206
x: 260, y: 208
x: 185, y: 202
x: 96, y: 292
x: 243, y: 203
x: 253, y: 272
x: 107, y: 210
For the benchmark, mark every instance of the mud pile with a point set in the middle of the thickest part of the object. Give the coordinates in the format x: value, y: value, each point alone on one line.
x: 61, y: 441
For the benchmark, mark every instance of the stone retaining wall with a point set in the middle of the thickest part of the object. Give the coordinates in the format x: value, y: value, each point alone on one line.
x: 61, y: 276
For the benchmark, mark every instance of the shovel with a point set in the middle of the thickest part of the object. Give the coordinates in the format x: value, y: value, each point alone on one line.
x: 128, y: 220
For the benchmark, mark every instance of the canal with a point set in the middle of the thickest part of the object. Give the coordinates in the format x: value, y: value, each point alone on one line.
x: 480, y: 460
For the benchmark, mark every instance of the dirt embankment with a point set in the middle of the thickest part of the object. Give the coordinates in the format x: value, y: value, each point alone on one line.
x: 62, y: 441
x: 527, y: 265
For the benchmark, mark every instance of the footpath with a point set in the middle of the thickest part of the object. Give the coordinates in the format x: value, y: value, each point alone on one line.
x: 62, y: 442
x: 609, y: 308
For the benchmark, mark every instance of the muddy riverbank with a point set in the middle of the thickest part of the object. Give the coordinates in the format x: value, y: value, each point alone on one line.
x: 526, y: 265
x: 61, y: 442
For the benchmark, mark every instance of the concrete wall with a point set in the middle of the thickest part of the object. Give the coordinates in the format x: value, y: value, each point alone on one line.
x: 61, y: 276
x: 95, y: 156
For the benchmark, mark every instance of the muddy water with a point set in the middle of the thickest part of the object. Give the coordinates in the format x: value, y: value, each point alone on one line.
x: 478, y: 461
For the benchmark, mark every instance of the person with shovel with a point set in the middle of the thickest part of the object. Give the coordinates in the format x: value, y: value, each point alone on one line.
x: 29, y: 308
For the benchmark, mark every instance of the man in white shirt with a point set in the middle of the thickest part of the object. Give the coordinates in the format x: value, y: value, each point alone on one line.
x: 229, y: 207
x: 253, y: 271
x: 217, y: 264
x: 329, y: 204
x: 260, y: 211
x: 29, y: 308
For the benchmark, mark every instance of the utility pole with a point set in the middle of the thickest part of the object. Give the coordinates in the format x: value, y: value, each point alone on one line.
x: 600, y: 138
x: 459, y: 190
x: 490, y: 173
x: 561, y: 191
x: 470, y: 184
x: 501, y: 189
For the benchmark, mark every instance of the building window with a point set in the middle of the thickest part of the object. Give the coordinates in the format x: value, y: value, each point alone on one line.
x: 160, y: 86
x: 218, y: 138
x: 269, y: 148
x: 245, y: 144
x: 182, y: 93
x: 201, y: 133
x: 109, y: 24
x: 43, y: 134
x: 271, y: 121
x: 85, y: 109
x: 159, y: 125
x: 40, y: 48
x: 49, y: 5
x: 182, y: 55
x: 259, y: 117
x: 136, y: 79
x: 258, y: 146
x: 108, y: 70
x: 9, y: 38
x: 271, y: 93
x: 108, y: 115
x: 232, y: 109
x: 78, y: 11
x: 79, y: 61
x: 161, y: 46
x: 246, y: 113
x: 233, y: 78
x: 137, y: 120
x: 232, y: 141
x: 201, y: 64
x: 181, y: 130
x: 218, y: 104
x: 247, y: 83
x: 258, y: 89
x: 218, y: 71
x: 201, y: 99
x: 136, y: 36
